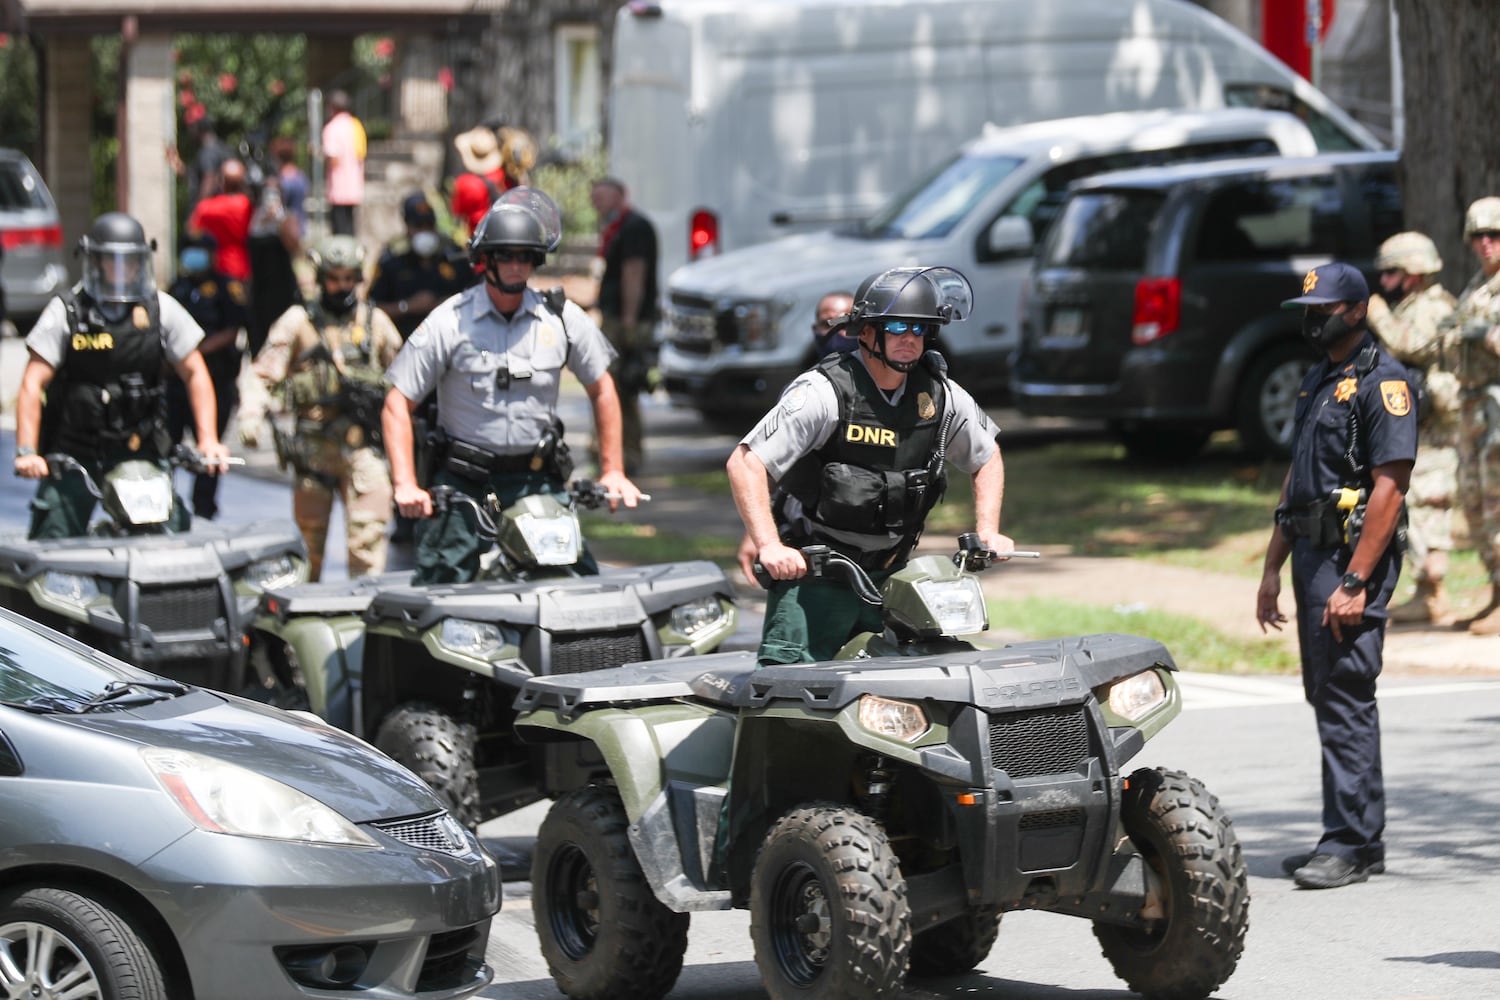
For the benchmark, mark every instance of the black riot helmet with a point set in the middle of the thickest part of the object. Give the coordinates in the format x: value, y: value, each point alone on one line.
x: 117, y: 260
x: 521, y: 218
x: 909, y: 299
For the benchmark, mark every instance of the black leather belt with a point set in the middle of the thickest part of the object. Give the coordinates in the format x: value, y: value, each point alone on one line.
x: 470, y: 460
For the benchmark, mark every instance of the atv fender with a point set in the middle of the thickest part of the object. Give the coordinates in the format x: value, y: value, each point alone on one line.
x: 330, y: 652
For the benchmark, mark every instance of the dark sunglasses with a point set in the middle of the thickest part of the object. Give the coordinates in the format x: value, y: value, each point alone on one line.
x: 899, y: 327
x: 1486, y: 234
x: 513, y: 256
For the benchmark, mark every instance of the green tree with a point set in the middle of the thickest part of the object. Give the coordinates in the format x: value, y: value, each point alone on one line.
x: 18, y: 95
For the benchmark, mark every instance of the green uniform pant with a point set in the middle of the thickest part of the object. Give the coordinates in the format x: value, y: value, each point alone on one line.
x: 62, y: 507
x: 449, y: 546
x: 809, y: 620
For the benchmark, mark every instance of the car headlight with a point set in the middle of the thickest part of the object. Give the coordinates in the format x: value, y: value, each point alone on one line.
x: 144, y: 501
x: 71, y: 588
x: 553, y: 541
x: 225, y: 798
x: 900, y: 720
x: 1137, y: 695
x: 480, y: 640
x: 273, y: 572
x: 957, y: 605
x: 696, y: 616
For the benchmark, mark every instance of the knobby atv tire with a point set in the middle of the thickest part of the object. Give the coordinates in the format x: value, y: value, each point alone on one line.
x: 603, y: 932
x: 438, y: 749
x: 1188, y: 840
x: 90, y: 942
x: 955, y: 947
x: 828, y: 910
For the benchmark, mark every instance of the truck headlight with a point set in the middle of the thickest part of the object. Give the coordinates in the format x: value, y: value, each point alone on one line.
x: 480, y: 640
x: 1136, y: 696
x: 957, y: 605
x: 900, y: 720
x: 756, y: 323
x: 553, y: 541
x: 71, y: 588
x: 696, y: 616
x: 273, y: 572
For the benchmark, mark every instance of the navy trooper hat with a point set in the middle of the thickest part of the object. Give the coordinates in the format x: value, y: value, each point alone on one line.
x: 415, y: 211
x: 1336, y: 282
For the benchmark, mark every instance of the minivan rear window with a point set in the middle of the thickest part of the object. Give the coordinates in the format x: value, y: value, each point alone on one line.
x: 1107, y: 230
x: 931, y: 208
x: 19, y: 188
x: 1260, y: 218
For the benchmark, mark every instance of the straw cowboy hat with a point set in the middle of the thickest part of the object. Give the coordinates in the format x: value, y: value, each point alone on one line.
x: 479, y: 148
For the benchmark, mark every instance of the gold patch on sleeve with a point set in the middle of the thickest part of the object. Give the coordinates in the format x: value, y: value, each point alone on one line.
x: 1345, y: 390
x: 1396, y: 397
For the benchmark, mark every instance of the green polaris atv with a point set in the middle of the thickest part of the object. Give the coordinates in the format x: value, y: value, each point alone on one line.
x: 879, y: 813
x: 428, y: 674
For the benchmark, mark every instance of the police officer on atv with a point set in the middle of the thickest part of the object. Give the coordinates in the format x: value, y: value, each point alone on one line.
x: 856, y: 449
x: 495, y: 355
x: 98, y: 355
x: 328, y: 357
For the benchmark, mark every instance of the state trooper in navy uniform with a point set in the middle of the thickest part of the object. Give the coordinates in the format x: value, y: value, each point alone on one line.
x: 856, y: 448
x: 1353, y: 447
x: 420, y: 270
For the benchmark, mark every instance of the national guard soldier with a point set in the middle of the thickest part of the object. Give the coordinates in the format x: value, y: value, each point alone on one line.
x: 418, y: 271
x: 1475, y: 337
x: 219, y: 305
x: 1353, y: 444
x: 1407, y: 320
x: 856, y: 448
x: 495, y: 356
x: 328, y: 359
x: 98, y: 354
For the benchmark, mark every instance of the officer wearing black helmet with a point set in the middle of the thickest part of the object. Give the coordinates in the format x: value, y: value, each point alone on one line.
x: 97, y: 355
x: 494, y: 355
x: 856, y: 450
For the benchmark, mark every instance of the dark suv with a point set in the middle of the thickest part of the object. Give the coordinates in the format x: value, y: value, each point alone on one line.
x: 1155, y: 300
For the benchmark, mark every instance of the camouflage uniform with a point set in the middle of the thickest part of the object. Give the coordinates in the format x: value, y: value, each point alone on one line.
x: 311, y: 355
x: 1474, y: 338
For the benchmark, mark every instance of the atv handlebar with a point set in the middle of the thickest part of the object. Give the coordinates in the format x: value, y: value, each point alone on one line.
x: 582, y: 493
x: 182, y: 456
x: 824, y: 562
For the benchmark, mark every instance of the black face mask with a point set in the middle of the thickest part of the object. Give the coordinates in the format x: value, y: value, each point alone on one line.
x: 339, y: 303
x: 1322, y: 330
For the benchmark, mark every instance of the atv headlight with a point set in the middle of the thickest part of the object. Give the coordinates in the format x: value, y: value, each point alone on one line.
x: 900, y: 720
x: 553, y: 541
x: 1137, y: 695
x: 225, y: 798
x: 480, y: 640
x: 277, y: 571
x: 696, y: 616
x: 71, y: 588
x: 957, y: 605
x: 144, y: 501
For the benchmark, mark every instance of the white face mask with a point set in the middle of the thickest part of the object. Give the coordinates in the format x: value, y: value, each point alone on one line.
x: 425, y: 243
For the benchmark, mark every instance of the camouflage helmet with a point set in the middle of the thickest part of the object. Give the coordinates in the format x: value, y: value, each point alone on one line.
x: 337, y: 253
x: 1483, y: 216
x: 1411, y: 252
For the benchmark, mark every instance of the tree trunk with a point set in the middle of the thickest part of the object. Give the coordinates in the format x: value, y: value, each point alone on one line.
x: 1452, y: 96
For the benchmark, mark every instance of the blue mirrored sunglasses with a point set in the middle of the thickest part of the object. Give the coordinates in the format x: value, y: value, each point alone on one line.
x: 898, y: 327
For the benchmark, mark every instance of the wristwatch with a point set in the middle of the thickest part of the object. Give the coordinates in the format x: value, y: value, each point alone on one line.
x: 23, y: 450
x: 1353, y: 583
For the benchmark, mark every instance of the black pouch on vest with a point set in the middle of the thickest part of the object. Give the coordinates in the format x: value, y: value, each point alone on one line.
x: 852, y: 498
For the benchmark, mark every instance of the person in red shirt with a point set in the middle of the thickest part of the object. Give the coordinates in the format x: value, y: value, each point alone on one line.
x: 226, y: 217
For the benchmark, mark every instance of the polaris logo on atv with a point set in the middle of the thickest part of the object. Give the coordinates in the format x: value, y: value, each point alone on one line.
x: 1016, y: 692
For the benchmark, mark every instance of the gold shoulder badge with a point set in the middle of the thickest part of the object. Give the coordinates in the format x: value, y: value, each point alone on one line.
x: 236, y: 291
x: 140, y: 317
x: 926, y: 410
x: 208, y: 289
x: 1345, y: 390
x: 446, y: 270
x: 1310, y: 282
x: 1396, y: 396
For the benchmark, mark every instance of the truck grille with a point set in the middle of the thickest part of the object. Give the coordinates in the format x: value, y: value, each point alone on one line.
x: 178, y: 609
x: 1050, y: 741
x: 573, y: 654
x: 695, y: 326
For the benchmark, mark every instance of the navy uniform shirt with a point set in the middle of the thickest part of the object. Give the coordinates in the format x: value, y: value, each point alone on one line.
x: 401, y: 273
x: 216, y: 302
x: 1386, y: 412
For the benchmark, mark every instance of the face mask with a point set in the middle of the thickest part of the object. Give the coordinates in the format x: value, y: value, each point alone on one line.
x: 194, y: 260
x: 340, y: 303
x: 1325, y: 329
x: 425, y: 243
x: 836, y: 343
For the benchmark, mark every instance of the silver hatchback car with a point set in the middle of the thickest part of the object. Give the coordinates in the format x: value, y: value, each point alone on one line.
x: 33, y: 267
x: 163, y: 841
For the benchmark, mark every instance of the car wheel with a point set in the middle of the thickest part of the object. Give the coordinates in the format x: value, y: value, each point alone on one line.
x: 828, y: 911
x: 54, y: 942
x: 1268, y: 400
x: 1148, y: 443
x: 1187, y: 840
x: 438, y: 749
x: 602, y: 930
x: 955, y: 947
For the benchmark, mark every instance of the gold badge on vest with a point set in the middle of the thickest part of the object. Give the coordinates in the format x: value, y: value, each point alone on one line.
x: 926, y: 408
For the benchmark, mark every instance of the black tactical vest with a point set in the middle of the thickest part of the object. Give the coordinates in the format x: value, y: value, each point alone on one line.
x: 869, y: 488
x: 108, y: 392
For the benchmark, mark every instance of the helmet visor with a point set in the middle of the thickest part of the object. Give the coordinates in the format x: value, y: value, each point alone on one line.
x: 940, y: 294
x: 118, y: 273
x: 539, y: 205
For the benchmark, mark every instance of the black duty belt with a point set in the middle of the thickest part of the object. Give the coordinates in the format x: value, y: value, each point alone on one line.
x: 465, y: 459
x: 1321, y: 522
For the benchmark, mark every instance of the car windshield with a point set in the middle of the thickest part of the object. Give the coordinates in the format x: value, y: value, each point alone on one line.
x: 1102, y: 229
x: 39, y: 674
x: 932, y: 207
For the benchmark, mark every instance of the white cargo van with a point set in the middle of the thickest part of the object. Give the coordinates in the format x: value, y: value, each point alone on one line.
x: 736, y: 327
x: 734, y: 123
